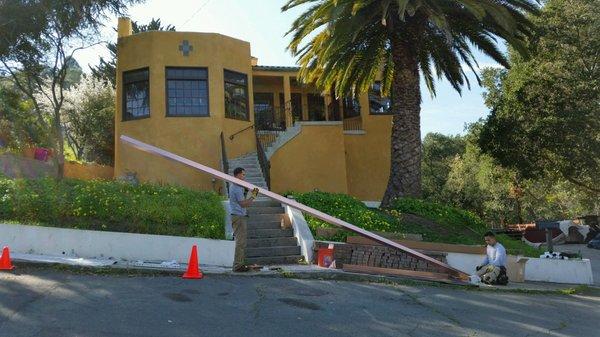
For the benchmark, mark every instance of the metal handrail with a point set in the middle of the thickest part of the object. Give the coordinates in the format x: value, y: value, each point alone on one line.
x: 242, y: 130
x: 224, y: 161
x: 265, y: 164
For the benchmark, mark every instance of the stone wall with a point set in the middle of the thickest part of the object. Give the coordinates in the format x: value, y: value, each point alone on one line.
x: 379, y: 256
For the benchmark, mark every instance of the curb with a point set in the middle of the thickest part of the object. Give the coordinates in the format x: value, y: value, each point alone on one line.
x: 336, y: 276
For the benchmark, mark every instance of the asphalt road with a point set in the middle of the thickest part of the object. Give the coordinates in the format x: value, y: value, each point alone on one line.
x: 47, y: 302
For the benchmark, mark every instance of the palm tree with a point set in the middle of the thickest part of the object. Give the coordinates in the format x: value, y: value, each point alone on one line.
x: 346, y: 44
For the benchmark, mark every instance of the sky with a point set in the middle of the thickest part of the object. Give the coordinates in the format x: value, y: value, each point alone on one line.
x: 262, y: 23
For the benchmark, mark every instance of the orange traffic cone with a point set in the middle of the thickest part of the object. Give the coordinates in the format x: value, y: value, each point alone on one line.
x: 193, y: 271
x: 5, y: 263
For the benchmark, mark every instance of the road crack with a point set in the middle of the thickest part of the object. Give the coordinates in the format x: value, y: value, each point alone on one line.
x: 260, y: 292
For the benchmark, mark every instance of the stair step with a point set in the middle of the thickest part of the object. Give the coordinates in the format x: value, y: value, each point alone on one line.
x: 265, y: 210
x: 290, y: 259
x: 273, y: 251
x: 270, y: 233
x: 245, y: 166
x: 258, y: 218
x: 271, y: 242
x: 245, y: 161
x: 255, y: 179
x: 251, y: 173
x: 266, y: 203
x: 264, y: 225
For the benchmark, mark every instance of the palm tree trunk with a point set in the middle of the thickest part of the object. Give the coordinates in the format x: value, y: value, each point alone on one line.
x: 405, y: 171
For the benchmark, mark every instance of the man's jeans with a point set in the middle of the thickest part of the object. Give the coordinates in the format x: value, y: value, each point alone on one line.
x: 240, y: 230
x: 489, y: 273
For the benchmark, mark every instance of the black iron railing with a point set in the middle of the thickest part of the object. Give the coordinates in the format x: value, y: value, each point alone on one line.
x: 353, y: 124
x: 265, y: 165
x: 270, y: 122
x: 224, y: 162
x: 242, y: 130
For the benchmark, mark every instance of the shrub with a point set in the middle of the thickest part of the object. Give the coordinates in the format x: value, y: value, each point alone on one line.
x: 344, y: 207
x: 112, y: 206
x: 440, y: 223
x: 457, y: 225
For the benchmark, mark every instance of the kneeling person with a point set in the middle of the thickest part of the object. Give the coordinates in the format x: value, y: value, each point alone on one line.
x: 495, y: 261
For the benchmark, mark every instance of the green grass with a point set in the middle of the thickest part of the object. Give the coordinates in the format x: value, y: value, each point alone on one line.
x: 112, y: 206
x: 437, y: 223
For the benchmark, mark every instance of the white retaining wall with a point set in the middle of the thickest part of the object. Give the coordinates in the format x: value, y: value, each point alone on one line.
x: 546, y: 270
x: 120, y: 246
x: 559, y: 271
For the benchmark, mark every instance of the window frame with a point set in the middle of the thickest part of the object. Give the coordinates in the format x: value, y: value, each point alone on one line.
x: 124, y: 114
x: 388, y: 113
x: 167, y: 114
x: 247, y: 119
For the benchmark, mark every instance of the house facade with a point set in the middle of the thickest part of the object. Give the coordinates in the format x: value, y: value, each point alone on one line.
x: 204, y: 97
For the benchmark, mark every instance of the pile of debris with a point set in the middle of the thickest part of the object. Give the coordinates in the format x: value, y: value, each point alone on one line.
x: 581, y: 230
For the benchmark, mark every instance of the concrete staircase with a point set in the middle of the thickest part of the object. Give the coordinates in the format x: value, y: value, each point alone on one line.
x: 250, y: 164
x: 282, y: 138
x: 269, y: 241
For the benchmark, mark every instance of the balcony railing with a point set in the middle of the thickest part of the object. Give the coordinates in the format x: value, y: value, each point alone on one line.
x: 353, y: 124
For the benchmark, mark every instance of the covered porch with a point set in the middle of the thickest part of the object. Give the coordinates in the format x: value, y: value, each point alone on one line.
x: 280, y: 101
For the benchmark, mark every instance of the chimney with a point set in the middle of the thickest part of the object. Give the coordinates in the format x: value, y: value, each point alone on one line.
x: 124, y: 27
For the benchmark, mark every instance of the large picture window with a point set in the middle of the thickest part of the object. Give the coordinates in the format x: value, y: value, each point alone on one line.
x: 379, y: 104
x: 187, y: 92
x: 236, y: 95
x: 136, y: 94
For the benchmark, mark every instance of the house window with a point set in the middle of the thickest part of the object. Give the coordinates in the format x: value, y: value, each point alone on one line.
x: 379, y: 104
x: 136, y: 94
x: 316, y: 107
x: 187, y: 92
x: 351, y: 107
x: 236, y: 95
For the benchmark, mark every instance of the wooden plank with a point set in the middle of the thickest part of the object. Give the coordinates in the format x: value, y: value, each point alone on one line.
x: 354, y: 268
x: 422, y: 245
x: 292, y: 203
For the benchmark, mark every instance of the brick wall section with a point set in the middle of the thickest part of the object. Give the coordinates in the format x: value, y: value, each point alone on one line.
x: 379, y: 256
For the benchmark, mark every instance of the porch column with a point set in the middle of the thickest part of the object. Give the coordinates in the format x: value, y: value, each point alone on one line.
x: 287, y: 101
x: 327, y: 100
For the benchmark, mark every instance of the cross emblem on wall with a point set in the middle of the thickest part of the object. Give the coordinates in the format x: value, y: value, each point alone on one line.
x: 185, y: 47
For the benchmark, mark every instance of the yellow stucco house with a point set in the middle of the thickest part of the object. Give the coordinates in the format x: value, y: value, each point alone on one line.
x: 203, y: 96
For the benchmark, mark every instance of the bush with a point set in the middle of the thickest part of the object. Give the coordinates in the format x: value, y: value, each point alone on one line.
x: 437, y: 223
x: 456, y: 225
x: 112, y: 206
x: 344, y: 207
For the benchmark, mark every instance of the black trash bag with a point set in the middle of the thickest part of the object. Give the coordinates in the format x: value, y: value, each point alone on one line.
x: 502, y: 278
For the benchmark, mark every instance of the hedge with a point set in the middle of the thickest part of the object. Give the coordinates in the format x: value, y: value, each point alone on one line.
x: 448, y: 224
x: 112, y: 206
